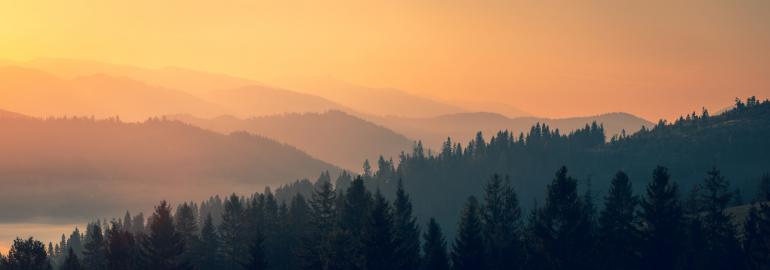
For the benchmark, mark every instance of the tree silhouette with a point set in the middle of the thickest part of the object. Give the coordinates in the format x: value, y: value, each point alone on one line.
x: 26, y: 254
x: 468, y: 249
x: 406, y: 232
x: 434, y: 248
x: 71, y: 261
x: 163, y: 246
x: 95, y: 249
x: 619, y: 243
x: 501, y: 217
x: 662, y: 220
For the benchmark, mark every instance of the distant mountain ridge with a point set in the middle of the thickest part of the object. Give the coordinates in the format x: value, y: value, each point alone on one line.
x: 98, y: 167
x: 462, y: 127
x: 333, y: 136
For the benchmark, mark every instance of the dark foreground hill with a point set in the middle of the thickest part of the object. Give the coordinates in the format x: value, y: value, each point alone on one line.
x: 80, y: 168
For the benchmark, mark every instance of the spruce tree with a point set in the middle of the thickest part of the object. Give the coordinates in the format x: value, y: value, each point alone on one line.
x: 121, y: 248
x: 298, y: 225
x: 662, y: 223
x: 95, y: 249
x: 619, y: 236
x: 434, y: 248
x: 353, y: 220
x: 186, y: 224
x: 320, y: 249
x: 378, y: 236
x: 722, y: 246
x: 71, y: 261
x: 562, y: 227
x: 406, y: 234
x: 233, y: 233
x: 468, y: 248
x: 501, y: 217
x: 163, y: 246
x: 756, y: 240
x: 208, y: 249
x: 256, y: 259
x: 26, y: 254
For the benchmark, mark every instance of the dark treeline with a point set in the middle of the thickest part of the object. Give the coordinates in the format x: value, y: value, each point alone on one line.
x: 735, y: 140
x: 357, y: 228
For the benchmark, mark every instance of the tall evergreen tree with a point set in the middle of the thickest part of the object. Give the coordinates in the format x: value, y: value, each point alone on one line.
x: 186, y: 223
x: 406, y: 232
x: 662, y: 222
x: 353, y: 220
x: 121, y: 248
x: 163, y: 246
x: 434, y: 248
x: 71, y: 261
x: 95, y: 249
x: 378, y: 236
x: 256, y: 259
x: 562, y: 226
x: 619, y: 237
x: 208, y: 249
x: 501, y: 217
x: 723, y: 247
x: 26, y: 254
x: 319, y: 249
x: 756, y: 240
x: 468, y: 249
x: 298, y: 226
x: 233, y: 234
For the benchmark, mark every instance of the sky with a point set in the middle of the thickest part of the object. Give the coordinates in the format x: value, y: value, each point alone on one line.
x: 656, y: 59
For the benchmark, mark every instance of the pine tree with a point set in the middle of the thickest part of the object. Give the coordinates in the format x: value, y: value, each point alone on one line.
x: 256, y: 259
x: 562, y: 227
x: 71, y: 261
x: 186, y: 224
x: 298, y: 225
x: 501, y: 217
x: 723, y: 248
x: 95, y: 249
x: 353, y: 220
x: 662, y: 221
x: 121, y: 248
x: 434, y: 248
x: 232, y: 234
x: 619, y: 237
x: 207, y: 252
x: 756, y: 240
x: 468, y: 249
x: 319, y: 249
x: 163, y: 246
x: 26, y: 254
x: 406, y: 234
x: 378, y: 236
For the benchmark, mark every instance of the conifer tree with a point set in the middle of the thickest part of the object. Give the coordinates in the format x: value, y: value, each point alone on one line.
x: 95, y: 249
x: 406, y: 232
x: 71, y: 261
x: 256, y: 259
x: 562, y: 227
x: 233, y: 234
x: 378, y: 236
x: 208, y: 249
x: 468, y: 248
x: 501, y: 217
x: 26, y: 254
x: 353, y: 220
x: 434, y: 248
x: 121, y: 248
x: 723, y: 248
x: 662, y: 221
x: 756, y: 240
x: 163, y: 246
x: 619, y: 236
x: 319, y: 248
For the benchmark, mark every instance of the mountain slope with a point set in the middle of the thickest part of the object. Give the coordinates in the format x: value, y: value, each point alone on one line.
x: 333, y: 136
x: 81, y: 168
x: 38, y: 93
x: 251, y: 101
x: 462, y: 127
x: 372, y: 100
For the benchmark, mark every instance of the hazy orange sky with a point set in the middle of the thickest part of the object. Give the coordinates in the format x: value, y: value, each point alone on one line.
x: 550, y: 58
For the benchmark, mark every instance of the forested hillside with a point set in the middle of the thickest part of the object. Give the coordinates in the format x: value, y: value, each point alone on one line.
x: 78, y: 168
x: 735, y: 141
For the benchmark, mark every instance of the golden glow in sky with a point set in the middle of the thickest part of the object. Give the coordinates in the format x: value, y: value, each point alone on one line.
x: 550, y: 58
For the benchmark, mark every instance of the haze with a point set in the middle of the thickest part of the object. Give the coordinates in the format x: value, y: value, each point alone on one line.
x: 555, y: 59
